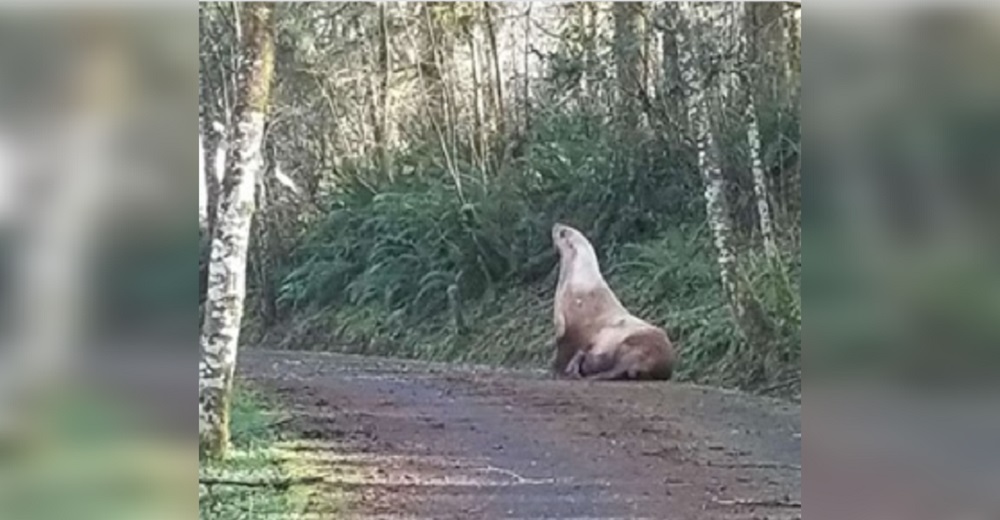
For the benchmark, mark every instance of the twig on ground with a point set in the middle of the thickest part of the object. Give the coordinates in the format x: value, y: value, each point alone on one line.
x: 781, y: 385
x: 279, y: 483
x: 518, y: 478
x: 767, y: 502
x: 281, y: 422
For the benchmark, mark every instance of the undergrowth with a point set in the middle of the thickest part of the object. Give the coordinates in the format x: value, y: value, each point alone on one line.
x: 670, y: 281
x: 374, y: 274
x: 255, y: 455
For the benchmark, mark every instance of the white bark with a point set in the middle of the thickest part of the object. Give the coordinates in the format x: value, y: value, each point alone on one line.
x: 754, y: 147
x: 219, y: 165
x: 227, y: 277
x: 716, y: 209
x: 747, y: 311
x: 759, y: 180
x: 202, y: 186
x: 793, y: 30
x: 226, y: 287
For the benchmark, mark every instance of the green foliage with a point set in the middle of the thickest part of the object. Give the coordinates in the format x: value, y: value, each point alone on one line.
x: 673, y: 281
x: 373, y: 276
x: 253, y: 457
x: 399, y: 245
x: 368, y: 266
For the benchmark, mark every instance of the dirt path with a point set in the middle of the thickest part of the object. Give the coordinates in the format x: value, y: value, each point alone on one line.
x: 423, y: 440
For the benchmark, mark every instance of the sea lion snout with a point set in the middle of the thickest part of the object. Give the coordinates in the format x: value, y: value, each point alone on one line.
x: 560, y: 231
x: 557, y: 228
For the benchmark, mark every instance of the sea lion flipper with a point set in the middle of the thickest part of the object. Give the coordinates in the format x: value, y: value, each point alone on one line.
x: 615, y: 372
x: 573, y: 367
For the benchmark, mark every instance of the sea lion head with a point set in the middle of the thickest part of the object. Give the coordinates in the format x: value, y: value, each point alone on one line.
x: 574, y: 248
x: 567, y: 240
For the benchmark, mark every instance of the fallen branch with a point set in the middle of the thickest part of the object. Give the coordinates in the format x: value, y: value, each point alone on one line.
x: 279, y: 483
x: 769, y: 502
x: 781, y: 385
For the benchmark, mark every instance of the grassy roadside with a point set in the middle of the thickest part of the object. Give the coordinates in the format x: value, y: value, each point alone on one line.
x: 260, y: 454
x: 670, y: 280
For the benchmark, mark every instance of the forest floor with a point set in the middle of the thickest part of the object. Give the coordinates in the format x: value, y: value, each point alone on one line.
x: 412, y: 439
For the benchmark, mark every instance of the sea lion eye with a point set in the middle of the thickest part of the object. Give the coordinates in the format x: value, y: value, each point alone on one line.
x: 562, y: 233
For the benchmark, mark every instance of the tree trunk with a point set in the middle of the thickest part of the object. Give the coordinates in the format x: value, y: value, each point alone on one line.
x: 592, y: 61
x: 479, y: 141
x: 227, y: 266
x: 766, y: 29
x: 795, y: 37
x: 746, y: 309
x: 581, y: 11
x: 753, y: 143
x: 527, y: 72
x: 671, y: 79
x: 630, y: 64
x: 264, y: 248
x: 202, y: 187
x: 498, y: 109
x: 385, y: 63
x: 204, y: 180
x: 587, y: 20
x: 759, y: 180
x: 204, y: 244
x: 793, y: 62
x: 213, y: 170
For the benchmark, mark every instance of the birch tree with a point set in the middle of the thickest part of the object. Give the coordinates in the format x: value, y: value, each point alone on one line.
x: 202, y: 188
x: 747, y: 311
x: 753, y: 139
x: 230, y: 237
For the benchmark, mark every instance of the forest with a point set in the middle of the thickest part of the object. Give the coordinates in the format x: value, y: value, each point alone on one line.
x: 416, y: 155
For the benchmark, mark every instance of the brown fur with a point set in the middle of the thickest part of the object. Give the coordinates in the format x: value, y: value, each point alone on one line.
x: 596, y: 337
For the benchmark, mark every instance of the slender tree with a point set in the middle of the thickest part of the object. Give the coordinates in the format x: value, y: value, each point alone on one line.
x: 526, y: 93
x: 761, y: 192
x: 204, y: 232
x: 202, y: 187
x: 668, y: 15
x: 628, y: 47
x: 746, y: 309
x: 793, y: 31
x: 227, y: 265
x: 497, y: 84
x: 479, y: 140
x: 383, y: 127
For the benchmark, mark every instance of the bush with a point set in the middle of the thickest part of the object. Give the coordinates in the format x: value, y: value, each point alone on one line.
x: 373, y: 275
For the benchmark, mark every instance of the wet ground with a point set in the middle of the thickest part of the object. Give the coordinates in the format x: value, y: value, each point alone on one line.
x: 421, y: 440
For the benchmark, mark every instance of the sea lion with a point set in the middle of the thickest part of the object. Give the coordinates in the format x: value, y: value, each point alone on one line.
x: 596, y: 337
